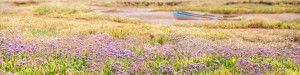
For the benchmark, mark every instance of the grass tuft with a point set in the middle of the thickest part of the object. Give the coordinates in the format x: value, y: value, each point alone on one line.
x: 48, y: 9
x: 160, y: 39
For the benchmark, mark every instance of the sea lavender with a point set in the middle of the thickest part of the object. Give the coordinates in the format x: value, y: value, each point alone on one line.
x: 148, y: 48
x: 20, y: 63
x: 116, y: 67
x: 266, y: 65
x: 167, y: 69
x: 121, y: 73
x: 40, y: 60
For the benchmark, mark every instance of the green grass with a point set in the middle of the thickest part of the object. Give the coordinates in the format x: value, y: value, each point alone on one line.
x: 161, y: 39
x: 43, y: 32
x: 41, y: 10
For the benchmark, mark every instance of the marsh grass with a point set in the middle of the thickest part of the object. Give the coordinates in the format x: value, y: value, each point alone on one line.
x: 43, y: 26
x: 100, y: 16
x: 251, y: 23
x: 47, y: 9
x: 80, y: 14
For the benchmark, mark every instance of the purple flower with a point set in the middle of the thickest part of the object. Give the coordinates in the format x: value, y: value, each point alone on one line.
x: 266, y: 65
x: 297, y: 47
x: 166, y: 69
x: 116, y: 67
x: 121, y: 73
x: 195, y: 67
x: 41, y: 60
x: 20, y: 63
x: 148, y: 48
x: 179, y: 72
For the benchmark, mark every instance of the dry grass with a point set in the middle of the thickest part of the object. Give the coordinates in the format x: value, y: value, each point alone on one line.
x: 252, y: 23
x: 56, y: 23
x: 43, y: 26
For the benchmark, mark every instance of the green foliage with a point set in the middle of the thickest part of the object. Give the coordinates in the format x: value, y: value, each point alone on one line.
x: 42, y: 10
x: 228, y: 63
x: 161, y: 39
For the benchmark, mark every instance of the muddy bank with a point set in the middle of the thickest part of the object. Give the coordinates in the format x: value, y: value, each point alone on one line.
x: 147, y: 3
x: 166, y: 17
x: 264, y: 2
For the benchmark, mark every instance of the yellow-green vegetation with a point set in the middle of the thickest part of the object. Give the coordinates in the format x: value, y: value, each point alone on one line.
x: 252, y: 23
x: 81, y: 14
x: 42, y: 10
